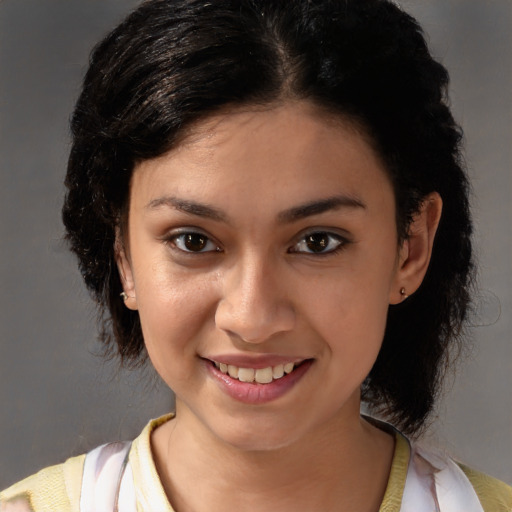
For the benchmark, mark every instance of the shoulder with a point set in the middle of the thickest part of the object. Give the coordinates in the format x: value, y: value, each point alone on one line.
x: 455, y: 480
x: 52, y: 488
x: 495, y: 495
x: 58, y: 488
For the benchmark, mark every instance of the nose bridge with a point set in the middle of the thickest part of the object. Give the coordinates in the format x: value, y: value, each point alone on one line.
x: 255, y: 303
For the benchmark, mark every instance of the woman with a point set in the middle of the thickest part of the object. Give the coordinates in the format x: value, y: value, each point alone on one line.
x: 267, y: 199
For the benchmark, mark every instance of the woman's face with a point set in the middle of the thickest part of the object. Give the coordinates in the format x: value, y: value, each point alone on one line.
x: 265, y: 242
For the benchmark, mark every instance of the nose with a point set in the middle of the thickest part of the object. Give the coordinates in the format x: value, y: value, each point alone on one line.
x: 254, y: 305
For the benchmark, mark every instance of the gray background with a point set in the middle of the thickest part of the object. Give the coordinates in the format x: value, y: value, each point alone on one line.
x: 57, y: 398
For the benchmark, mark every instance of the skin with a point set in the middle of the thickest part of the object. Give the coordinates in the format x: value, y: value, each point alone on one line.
x: 257, y: 288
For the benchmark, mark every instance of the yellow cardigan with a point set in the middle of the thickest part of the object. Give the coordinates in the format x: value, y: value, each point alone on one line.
x: 57, y: 488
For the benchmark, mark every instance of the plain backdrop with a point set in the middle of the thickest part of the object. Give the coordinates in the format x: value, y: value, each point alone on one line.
x: 57, y: 397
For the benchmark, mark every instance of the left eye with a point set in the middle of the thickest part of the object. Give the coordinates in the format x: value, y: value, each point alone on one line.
x: 319, y: 242
x: 194, y: 242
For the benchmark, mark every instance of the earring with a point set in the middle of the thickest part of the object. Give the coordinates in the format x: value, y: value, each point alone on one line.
x: 124, y: 296
x: 403, y: 294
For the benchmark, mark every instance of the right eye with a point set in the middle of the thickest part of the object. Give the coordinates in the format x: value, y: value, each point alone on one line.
x: 193, y: 242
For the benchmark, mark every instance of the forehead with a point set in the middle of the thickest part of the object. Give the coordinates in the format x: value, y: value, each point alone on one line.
x: 288, y: 153
x: 295, y: 119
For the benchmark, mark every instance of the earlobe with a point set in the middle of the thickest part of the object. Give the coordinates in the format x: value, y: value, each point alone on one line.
x: 416, y: 250
x: 125, y: 273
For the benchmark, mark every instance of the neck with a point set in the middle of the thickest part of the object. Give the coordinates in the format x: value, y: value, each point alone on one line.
x: 322, y: 471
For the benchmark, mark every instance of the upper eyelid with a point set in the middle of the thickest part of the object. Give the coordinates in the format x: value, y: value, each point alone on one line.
x: 335, y: 232
x: 175, y: 233
x: 185, y: 230
x: 336, y: 236
x: 342, y: 242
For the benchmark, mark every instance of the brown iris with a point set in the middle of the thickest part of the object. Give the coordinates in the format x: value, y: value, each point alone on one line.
x: 195, y: 242
x: 317, y: 242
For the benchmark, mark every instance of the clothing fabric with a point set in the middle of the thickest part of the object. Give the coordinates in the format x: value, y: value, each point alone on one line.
x: 123, y: 477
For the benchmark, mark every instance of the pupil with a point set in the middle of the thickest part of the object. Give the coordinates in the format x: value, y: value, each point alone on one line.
x: 317, y: 242
x: 195, y: 242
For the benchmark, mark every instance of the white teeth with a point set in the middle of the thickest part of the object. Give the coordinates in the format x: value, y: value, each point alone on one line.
x: 288, y: 368
x: 278, y: 371
x: 260, y: 375
x: 233, y: 371
x: 246, y: 374
x: 263, y: 375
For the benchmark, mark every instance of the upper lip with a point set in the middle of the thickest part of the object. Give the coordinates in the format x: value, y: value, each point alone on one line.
x: 255, y: 361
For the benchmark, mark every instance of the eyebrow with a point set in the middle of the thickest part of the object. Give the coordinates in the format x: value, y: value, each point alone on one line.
x: 320, y: 206
x: 294, y: 214
x: 187, y: 206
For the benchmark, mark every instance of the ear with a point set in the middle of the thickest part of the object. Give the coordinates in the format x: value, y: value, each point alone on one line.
x: 416, y: 250
x: 125, y: 273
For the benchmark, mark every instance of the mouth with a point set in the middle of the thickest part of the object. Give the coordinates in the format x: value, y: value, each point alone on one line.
x: 259, y: 385
x: 257, y: 375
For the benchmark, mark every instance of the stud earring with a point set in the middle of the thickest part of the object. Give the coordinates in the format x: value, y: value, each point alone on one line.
x: 124, y: 296
x: 403, y: 294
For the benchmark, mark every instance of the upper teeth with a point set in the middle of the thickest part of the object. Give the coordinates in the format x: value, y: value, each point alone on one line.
x: 259, y: 375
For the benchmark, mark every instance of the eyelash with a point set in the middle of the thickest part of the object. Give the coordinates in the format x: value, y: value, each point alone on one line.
x: 340, y: 241
x: 179, y: 241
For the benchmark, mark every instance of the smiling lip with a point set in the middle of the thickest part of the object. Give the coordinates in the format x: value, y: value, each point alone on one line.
x: 253, y: 392
x: 254, y: 360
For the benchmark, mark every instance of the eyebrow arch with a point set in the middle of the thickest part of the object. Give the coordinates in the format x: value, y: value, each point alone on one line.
x: 187, y: 206
x: 320, y: 206
x: 293, y: 214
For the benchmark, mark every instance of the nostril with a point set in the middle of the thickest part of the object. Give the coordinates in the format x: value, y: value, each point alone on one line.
x: 254, y: 321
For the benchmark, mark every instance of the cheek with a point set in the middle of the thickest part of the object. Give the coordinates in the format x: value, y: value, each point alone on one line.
x: 349, y: 308
x: 175, y: 308
x: 351, y: 320
x: 353, y: 333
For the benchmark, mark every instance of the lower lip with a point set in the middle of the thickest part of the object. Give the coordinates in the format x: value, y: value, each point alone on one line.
x: 254, y: 393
